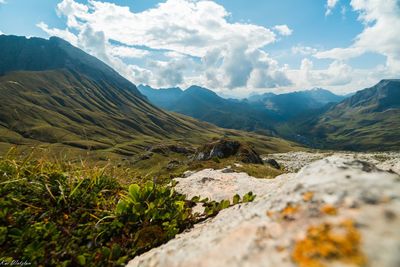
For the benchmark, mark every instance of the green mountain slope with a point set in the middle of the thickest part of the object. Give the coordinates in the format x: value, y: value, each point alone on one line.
x: 369, y: 120
x: 77, y: 102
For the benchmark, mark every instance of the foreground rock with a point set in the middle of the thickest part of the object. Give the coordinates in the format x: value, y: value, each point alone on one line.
x: 338, y: 211
x: 218, y: 185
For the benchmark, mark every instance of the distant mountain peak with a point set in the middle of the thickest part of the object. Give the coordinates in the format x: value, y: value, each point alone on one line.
x: 200, y: 90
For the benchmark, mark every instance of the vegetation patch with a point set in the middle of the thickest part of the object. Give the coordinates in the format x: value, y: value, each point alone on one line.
x: 53, y: 214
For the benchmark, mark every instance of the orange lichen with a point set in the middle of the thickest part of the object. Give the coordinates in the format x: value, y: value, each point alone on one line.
x: 270, y: 213
x: 328, y: 242
x: 328, y: 209
x: 307, y: 196
x: 289, y: 211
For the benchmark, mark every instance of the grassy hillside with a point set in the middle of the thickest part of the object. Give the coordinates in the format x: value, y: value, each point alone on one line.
x: 69, y: 105
x: 369, y: 120
x: 68, y: 108
x: 68, y: 115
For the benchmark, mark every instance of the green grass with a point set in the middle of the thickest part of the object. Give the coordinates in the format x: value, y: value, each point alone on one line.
x: 69, y: 214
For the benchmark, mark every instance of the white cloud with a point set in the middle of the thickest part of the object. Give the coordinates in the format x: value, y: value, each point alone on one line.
x: 380, y: 33
x: 64, y: 34
x: 330, y: 5
x: 283, y: 30
x: 304, y: 50
x: 189, y: 27
x: 3, y: 2
x: 179, y: 30
x: 128, y: 52
x: 185, y: 42
x: 337, y: 74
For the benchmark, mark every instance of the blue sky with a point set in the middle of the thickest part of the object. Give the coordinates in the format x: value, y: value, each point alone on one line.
x: 235, y: 47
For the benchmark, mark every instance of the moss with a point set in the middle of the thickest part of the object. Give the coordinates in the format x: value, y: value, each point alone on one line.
x: 329, y: 242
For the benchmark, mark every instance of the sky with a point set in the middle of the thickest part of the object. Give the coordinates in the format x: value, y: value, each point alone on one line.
x: 234, y: 47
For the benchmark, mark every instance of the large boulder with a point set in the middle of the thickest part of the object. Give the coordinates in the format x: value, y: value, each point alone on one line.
x: 338, y: 211
x: 225, y: 148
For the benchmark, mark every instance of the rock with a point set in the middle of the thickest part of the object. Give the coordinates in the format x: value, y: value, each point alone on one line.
x: 314, y: 206
x: 294, y: 161
x: 188, y: 174
x: 273, y: 163
x: 173, y: 164
x: 249, y: 155
x: 225, y: 148
x: 228, y: 169
x: 219, y: 149
x: 219, y: 184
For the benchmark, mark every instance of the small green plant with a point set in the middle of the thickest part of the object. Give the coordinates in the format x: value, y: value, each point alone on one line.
x: 211, y: 208
x: 154, y: 212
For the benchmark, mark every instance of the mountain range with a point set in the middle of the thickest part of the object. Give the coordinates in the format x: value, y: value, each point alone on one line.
x: 259, y: 113
x: 366, y: 120
x: 55, y: 94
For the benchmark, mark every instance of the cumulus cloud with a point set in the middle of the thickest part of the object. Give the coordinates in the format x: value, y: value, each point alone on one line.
x: 185, y: 42
x: 380, y: 33
x: 337, y: 74
x: 283, y: 30
x: 186, y: 33
x: 330, y: 5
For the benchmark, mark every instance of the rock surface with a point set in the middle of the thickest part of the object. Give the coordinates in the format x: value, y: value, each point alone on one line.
x: 338, y: 211
x: 225, y: 148
x: 220, y: 184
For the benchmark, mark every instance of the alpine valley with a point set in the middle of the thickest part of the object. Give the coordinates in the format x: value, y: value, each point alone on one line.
x: 95, y: 171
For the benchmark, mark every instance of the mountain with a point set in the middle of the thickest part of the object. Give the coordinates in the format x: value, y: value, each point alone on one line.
x: 259, y: 98
x: 368, y: 120
x: 163, y: 97
x: 260, y: 113
x: 37, y: 54
x: 290, y: 105
x: 205, y: 105
x: 55, y: 95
